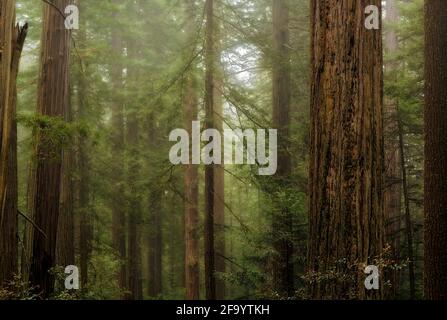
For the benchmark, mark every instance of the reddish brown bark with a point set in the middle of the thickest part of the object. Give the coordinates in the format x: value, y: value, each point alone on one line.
x: 346, y: 155
x: 65, y: 252
x: 210, y: 266
x: 9, y: 65
x: 435, y: 187
x: 53, y: 79
x: 191, y: 176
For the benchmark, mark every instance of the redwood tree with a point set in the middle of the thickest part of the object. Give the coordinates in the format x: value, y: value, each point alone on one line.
x: 435, y: 188
x: 190, y: 106
x: 53, y: 95
x: 210, y: 267
x: 12, y: 39
x: 346, y: 153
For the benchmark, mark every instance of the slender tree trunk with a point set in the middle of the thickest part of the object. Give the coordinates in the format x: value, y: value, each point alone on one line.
x: 210, y: 267
x: 134, y: 258
x: 283, y: 277
x: 408, y: 224
x: 133, y: 176
x: 219, y: 170
x: 54, y: 78
x: 393, y: 174
x: 219, y: 205
x: 9, y: 60
x: 191, y: 202
x: 435, y: 190
x: 190, y: 106
x: 346, y: 157
x: 155, y: 244
x: 117, y: 139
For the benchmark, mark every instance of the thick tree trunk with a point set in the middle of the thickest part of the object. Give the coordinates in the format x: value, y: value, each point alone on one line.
x: 191, y: 176
x: 7, y: 20
x: 435, y: 190
x: 117, y: 141
x: 283, y: 277
x: 346, y: 156
x: 210, y: 267
x: 9, y: 60
x: 65, y: 252
x: 54, y: 78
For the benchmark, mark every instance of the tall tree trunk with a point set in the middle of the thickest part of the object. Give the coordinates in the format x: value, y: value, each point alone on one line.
x: 210, y: 267
x: 283, y: 277
x: 435, y: 188
x: 346, y: 156
x: 190, y: 110
x: 54, y: 78
x: 393, y: 174
x: 7, y: 20
x: 117, y: 139
x: 9, y: 66
x: 219, y: 201
x: 219, y: 169
x: 134, y: 258
x: 191, y: 201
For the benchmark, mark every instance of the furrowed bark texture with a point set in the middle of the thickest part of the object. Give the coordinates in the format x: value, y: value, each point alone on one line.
x: 346, y: 155
x: 53, y: 97
x: 9, y: 66
x: 435, y: 187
